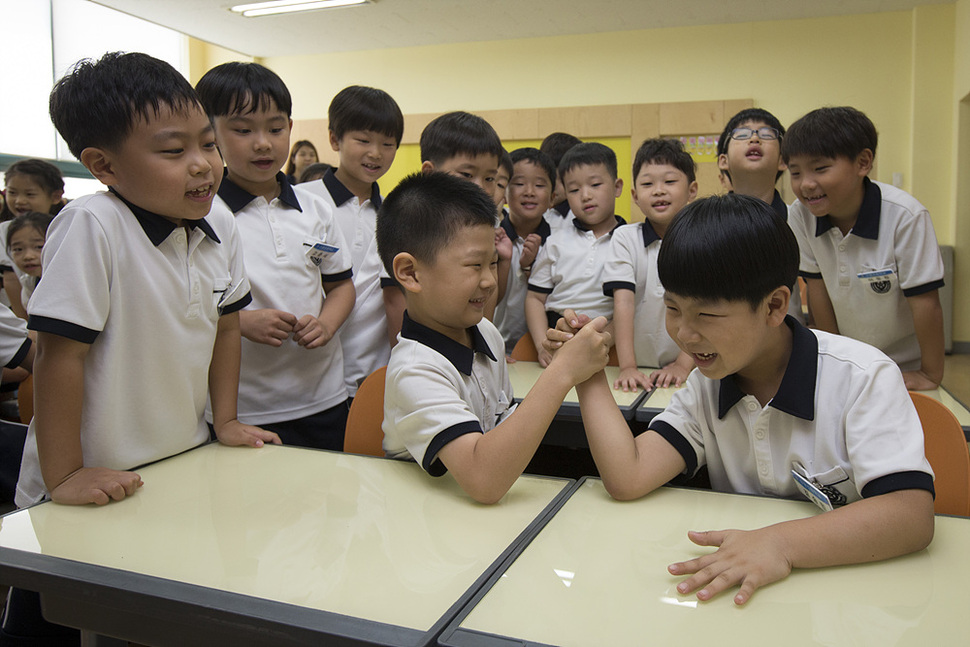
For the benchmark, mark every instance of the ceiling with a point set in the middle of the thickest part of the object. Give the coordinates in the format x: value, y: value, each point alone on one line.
x: 408, y: 23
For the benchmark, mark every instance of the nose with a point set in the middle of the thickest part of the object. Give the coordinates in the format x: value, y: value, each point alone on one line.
x: 199, y: 164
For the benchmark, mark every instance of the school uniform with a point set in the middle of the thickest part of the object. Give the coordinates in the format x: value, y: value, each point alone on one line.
x: 147, y: 296
x: 559, y: 215
x: 890, y: 254
x: 14, y: 342
x: 510, y: 311
x: 842, y: 417
x: 632, y: 265
x: 780, y: 207
x: 289, y: 382
x: 363, y: 336
x: 437, y: 390
x: 568, y: 270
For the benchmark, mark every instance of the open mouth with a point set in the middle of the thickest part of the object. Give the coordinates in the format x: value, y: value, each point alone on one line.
x: 201, y: 192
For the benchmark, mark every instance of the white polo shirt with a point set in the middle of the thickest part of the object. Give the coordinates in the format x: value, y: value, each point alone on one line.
x: 842, y: 412
x: 569, y: 270
x: 632, y: 265
x: 891, y: 253
x: 559, y: 215
x: 437, y: 390
x: 147, y: 296
x: 14, y: 343
x: 288, y: 382
x: 364, y: 334
x: 510, y: 311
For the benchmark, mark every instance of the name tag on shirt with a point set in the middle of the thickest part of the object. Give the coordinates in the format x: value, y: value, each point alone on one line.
x: 812, y: 492
x: 317, y: 250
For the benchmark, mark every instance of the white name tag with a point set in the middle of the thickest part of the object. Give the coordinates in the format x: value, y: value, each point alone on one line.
x: 812, y: 492
x: 317, y: 250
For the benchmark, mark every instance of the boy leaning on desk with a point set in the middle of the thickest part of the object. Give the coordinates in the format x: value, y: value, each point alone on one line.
x: 773, y: 409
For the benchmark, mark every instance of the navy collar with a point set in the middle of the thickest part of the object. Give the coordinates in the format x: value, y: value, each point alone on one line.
x: 157, y: 227
x: 342, y: 194
x: 796, y: 395
x: 582, y: 226
x: 779, y: 206
x: 562, y: 208
x: 649, y: 235
x: 867, y: 222
x: 237, y: 198
x: 543, y: 229
x: 459, y: 355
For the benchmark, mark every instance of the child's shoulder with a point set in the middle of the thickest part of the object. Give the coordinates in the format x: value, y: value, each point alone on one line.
x: 848, y: 353
x: 312, y: 200
x: 898, y: 202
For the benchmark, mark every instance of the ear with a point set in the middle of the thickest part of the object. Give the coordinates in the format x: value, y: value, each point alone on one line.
x: 405, y: 270
x: 692, y: 191
x: 334, y: 142
x: 57, y: 195
x: 781, y: 164
x: 98, y: 162
x: 427, y: 166
x: 618, y: 188
x: 777, y: 303
x: 863, y: 162
x: 722, y: 162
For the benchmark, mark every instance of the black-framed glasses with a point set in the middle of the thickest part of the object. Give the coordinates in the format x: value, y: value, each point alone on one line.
x: 765, y: 132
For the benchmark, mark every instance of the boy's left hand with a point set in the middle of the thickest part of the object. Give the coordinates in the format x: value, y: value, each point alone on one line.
x: 670, y: 375
x: 234, y: 433
x: 752, y: 559
x: 918, y: 381
x: 503, y: 244
x: 310, y: 332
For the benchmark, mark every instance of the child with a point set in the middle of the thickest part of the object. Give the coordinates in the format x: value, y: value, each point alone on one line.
x: 302, y: 155
x: 530, y: 196
x: 555, y: 145
x: 502, y: 184
x: 31, y: 185
x: 869, y: 254
x: 664, y: 182
x: 447, y: 398
x: 314, y: 172
x: 462, y: 144
x: 770, y: 397
x: 25, y: 240
x: 566, y: 274
x: 291, y: 376
x: 749, y: 158
x: 366, y: 126
x: 137, y: 315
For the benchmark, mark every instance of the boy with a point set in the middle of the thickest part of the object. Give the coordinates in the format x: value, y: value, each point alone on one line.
x: 448, y: 396
x: 137, y: 315
x: 566, y: 274
x: 501, y: 184
x: 292, y: 372
x: 749, y: 158
x: 769, y: 398
x: 664, y: 182
x: 530, y: 196
x: 462, y: 144
x: 555, y: 145
x: 366, y: 126
x: 869, y: 254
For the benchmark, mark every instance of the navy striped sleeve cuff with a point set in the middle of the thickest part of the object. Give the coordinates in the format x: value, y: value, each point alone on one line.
x: 431, y: 464
x: 899, y: 481
x: 62, y: 328
x: 677, y: 440
x: 810, y: 275
x: 388, y: 282
x: 236, y: 306
x: 333, y: 278
x: 535, y: 288
x: 18, y: 359
x: 923, y: 289
x: 611, y: 286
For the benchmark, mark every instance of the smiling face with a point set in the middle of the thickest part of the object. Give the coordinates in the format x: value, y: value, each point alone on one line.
x: 530, y: 192
x: 592, y: 194
x: 365, y: 156
x: 26, y: 245
x: 23, y: 194
x: 255, y: 146
x: 168, y: 164
x: 831, y: 186
x: 661, y: 190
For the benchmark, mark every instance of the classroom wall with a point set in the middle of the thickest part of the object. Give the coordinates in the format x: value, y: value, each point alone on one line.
x: 907, y: 70
x: 961, y: 169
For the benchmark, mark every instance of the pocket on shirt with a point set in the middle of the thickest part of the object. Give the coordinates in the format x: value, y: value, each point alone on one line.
x: 880, y: 281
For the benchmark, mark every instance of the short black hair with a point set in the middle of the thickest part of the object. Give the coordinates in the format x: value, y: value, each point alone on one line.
x: 358, y: 107
x: 97, y: 102
x: 35, y: 219
x: 588, y: 154
x: 538, y: 158
x: 242, y: 88
x: 730, y: 247
x: 505, y: 162
x: 831, y: 132
x: 743, y: 117
x: 665, y: 151
x: 45, y: 174
x: 422, y: 215
x: 314, y: 172
x: 555, y: 145
x: 458, y: 133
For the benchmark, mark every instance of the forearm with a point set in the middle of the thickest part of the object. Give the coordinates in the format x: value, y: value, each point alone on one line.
x: 11, y: 285
x: 504, y: 267
x: 224, y: 370
x: 58, y: 402
x: 394, y: 306
x: 823, y: 313
x: 928, y: 321
x: 338, y: 305
x: 535, y: 316
x: 623, y: 325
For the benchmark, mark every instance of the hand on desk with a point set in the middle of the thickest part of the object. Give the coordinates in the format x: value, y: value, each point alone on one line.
x: 98, y: 485
x: 752, y: 559
x: 672, y: 374
x: 918, y: 381
x: 235, y: 433
x: 631, y: 379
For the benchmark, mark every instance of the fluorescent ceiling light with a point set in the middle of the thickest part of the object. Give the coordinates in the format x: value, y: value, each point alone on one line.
x: 289, y: 6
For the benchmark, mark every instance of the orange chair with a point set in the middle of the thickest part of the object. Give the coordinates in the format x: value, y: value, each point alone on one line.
x: 525, y: 351
x: 946, y: 450
x: 364, y: 434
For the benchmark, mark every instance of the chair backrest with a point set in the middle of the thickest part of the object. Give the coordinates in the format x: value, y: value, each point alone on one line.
x: 364, y: 434
x: 525, y: 351
x: 946, y: 450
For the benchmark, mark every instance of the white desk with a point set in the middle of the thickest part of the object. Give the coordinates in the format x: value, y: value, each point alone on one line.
x: 275, y: 546
x: 596, y: 575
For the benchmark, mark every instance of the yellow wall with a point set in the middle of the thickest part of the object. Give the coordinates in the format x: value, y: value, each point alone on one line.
x: 961, y: 170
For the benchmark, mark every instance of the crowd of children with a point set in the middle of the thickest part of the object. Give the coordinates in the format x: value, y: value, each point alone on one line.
x: 339, y: 281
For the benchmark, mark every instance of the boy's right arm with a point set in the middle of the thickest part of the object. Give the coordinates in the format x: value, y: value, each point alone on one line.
x: 535, y: 319
x: 486, y: 465
x: 624, y: 307
x: 58, y: 398
x: 266, y: 325
x: 820, y: 305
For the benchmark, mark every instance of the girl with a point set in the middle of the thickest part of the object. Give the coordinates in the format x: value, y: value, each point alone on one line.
x: 25, y: 240
x: 302, y: 155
